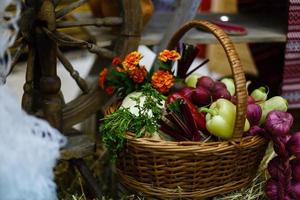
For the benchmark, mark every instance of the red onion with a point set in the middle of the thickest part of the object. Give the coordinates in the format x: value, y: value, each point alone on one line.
x: 295, y: 163
x: 221, y: 93
x: 219, y: 85
x: 250, y: 100
x: 253, y: 113
x: 278, y: 123
x: 280, y: 145
x: 275, y: 169
x: 206, y: 82
x: 295, y: 190
x: 186, y: 92
x: 255, y: 130
x: 273, y: 190
x: 294, y: 144
x: 201, y: 96
x: 288, y: 197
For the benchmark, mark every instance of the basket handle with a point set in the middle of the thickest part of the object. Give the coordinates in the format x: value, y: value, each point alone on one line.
x: 235, y: 65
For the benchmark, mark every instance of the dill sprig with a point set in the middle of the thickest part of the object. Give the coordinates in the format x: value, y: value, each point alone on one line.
x: 115, y: 125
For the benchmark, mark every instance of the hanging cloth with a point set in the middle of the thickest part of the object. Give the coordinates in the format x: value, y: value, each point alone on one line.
x: 291, y: 72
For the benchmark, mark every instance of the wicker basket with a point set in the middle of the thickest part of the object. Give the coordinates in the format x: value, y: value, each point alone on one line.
x: 194, y: 170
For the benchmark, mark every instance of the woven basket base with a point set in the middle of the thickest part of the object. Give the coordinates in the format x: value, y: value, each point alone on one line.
x: 177, y: 193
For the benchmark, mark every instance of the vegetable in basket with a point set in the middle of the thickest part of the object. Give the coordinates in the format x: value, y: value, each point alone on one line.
x: 220, y: 118
x: 260, y: 94
x: 229, y: 85
x: 275, y: 103
x: 179, y: 122
x: 197, y: 117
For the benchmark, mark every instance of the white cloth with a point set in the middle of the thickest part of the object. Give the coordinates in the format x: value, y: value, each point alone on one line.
x: 9, y: 30
x: 29, y: 148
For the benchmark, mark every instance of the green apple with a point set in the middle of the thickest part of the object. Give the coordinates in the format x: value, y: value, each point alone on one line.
x: 191, y: 80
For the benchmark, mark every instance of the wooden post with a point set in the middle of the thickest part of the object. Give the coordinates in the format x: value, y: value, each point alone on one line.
x: 51, y: 103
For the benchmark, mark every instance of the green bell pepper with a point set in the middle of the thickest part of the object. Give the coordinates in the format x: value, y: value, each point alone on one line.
x: 220, y: 118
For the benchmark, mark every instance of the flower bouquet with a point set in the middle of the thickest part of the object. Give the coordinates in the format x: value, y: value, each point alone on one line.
x: 186, y: 135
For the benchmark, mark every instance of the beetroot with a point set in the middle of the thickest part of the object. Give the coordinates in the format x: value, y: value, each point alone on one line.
x: 198, y: 117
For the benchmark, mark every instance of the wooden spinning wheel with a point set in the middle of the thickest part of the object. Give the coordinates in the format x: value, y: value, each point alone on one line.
x: 40, y: 26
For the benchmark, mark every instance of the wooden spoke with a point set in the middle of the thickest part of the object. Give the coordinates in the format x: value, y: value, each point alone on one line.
x: 75, y: 75
x: 17, y: 56
x: 101, y: 51
x: 66, y: 40
x: 107, y: 21
x: 62, y: 12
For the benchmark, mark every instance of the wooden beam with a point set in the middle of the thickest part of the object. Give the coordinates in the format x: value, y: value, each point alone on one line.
x: 78, y: 146
x: 62, y: 12
x: 107, y: 21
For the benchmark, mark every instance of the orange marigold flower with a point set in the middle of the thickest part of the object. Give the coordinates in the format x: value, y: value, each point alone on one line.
x: 116, y: 61
x: 102, y: 77
x: 166, y: 55
x: 162, y: 80
x: 138, y: 74
x: 131, y: 61
x: 109, y: 90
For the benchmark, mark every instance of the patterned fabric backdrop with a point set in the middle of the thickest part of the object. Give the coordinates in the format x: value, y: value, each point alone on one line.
x: 291, y: 75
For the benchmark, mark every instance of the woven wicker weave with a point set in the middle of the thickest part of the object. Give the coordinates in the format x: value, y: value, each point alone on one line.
x: 194, y: 170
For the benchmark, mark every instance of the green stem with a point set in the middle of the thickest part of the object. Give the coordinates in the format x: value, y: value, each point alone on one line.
x: 213, y: 112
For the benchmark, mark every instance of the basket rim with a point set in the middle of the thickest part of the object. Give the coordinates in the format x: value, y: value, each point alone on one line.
x: 249, y: 142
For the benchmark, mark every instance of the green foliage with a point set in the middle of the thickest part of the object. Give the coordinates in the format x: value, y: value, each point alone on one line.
x: 121, y: 82
x: 115, y: 125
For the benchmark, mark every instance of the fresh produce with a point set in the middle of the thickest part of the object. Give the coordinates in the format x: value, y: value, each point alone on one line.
x: 220, y: 91
x: 220, y: 118
x: 275, y: 103
x: 191, y: 80
x: 295, y: 190
x: 201, y: 96
x: 186, y: 92
x: 206, y: 82
x: 188, y: 54
x: 207, y: 90
x: 295, y: 164
x: 272, y: 189
x: 229, y: 85
x: 279, y: 123
x: 198, y: 117
x: 255, y: 130
x: 179, y: 122
x: 260, y: 94
x: 280, y: 144
x: 253, y: 113
x: 294, y: 144
x: 283, y: 170
x: 274, y: 168
x: 115, y: 125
